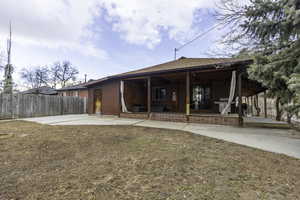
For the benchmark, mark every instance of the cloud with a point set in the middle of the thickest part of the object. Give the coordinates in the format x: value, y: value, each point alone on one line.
x: 71, y: 25
x: 142, y: 21
x: 52, y: 23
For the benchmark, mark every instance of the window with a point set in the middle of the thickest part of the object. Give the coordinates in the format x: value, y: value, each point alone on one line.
x: 160, y: 94
x: 201, y: 97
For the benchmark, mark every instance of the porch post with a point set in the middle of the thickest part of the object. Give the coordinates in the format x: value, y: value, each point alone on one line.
x: 187, y: 94
x: 265, y: 104
x: 257, y: 108
x: 240, y: 98
x: 248, y: 105
x: 252, y: 109
x: 149, y: 95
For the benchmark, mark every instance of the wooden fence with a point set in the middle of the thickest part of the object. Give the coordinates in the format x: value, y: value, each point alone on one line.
x: 25, y: 105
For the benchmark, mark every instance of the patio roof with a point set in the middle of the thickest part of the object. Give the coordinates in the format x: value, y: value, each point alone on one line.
x: 181, y: 64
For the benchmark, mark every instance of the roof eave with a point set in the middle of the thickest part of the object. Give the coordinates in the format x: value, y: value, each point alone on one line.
x: 194, y: 68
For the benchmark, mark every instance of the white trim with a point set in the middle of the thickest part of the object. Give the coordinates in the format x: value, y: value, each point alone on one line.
x: 226, y: 110
x: 123, y: 105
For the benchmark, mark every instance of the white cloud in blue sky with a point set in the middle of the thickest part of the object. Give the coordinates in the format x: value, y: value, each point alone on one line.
x: 103, y: 37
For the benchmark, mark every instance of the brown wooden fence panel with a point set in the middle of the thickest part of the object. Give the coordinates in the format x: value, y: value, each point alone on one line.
x: 24, y: 105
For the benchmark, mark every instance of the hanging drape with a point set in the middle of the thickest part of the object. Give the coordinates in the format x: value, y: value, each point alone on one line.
x: 123, y: 105
x: 231, y: 94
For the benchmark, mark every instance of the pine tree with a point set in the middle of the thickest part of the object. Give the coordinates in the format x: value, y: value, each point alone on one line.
x: 275, y: 24
x: 273, y: 28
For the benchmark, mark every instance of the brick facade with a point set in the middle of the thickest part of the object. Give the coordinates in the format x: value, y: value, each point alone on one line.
x: 221, y: 120
x: 173, y: 117
x: 134, y: 115
x: 178, y: 117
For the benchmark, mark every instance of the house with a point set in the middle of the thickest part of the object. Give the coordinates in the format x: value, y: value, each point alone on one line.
x: 198, y: 90
x: 78, y: 90
x: 44, y: 90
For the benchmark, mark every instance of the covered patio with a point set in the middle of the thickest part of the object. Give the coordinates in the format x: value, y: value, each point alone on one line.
x: 199, y: 90
x: 208, y: 95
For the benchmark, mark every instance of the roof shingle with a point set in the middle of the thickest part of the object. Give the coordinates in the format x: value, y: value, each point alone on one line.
x: 179, y: 64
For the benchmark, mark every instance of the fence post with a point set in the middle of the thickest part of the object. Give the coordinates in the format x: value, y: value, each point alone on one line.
x: 61, y: 105
x: 84, y: 105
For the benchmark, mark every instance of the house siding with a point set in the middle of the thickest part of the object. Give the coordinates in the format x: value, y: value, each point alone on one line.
x: 91, y: 101
x: 111, y: 97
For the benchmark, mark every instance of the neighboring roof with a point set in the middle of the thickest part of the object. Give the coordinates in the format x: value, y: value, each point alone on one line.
x: 180, y: 64
x: 41, y: 90
x: 73, y: 87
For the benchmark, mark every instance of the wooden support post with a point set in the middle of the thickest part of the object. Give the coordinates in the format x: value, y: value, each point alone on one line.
x: 240, y: 98
x: 257, y: 108
x: 187, y: 97
x: 252, y: 110
x: 120, y: 101
x: 248, y: 105
x: 149, y: 95
x: 265, y: 104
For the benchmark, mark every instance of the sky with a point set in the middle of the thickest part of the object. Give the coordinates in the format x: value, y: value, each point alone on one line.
x: 105, y: 37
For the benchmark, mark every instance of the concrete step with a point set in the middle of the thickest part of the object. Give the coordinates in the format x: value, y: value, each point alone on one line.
x: 267, y: 125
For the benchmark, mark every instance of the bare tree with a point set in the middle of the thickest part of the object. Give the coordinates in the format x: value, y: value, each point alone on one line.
x: 57, y: 74
x: 63, y: 72
x: 36, y: 77
x: 54, y: 74
x: 231, y: 14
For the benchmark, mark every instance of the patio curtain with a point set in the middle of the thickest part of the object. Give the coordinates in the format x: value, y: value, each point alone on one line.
x: 123, y: 105
x: 231, y: 94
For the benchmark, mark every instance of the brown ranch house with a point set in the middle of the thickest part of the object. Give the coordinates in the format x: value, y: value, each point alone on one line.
x: 196, y: 90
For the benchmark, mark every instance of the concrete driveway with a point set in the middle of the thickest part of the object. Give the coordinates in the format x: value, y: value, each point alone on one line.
x: 273, y: 140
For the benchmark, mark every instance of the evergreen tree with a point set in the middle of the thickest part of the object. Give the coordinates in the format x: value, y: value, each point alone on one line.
x: 273, y: 27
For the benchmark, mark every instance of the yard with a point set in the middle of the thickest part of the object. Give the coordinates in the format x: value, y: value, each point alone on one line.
x: 125, y: 162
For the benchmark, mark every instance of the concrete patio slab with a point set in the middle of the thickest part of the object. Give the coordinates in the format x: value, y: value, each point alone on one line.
x: 57, y: 119
x: 264, y: 123
x: 83, y: 120
x: 274, y: 140
x: 162, y: 124
x: 102, y: 121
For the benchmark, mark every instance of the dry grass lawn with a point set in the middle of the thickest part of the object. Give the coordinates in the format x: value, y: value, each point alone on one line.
x: 125, y: 162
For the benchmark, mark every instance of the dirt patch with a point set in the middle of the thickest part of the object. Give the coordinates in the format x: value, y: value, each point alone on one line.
x: 125, y: 162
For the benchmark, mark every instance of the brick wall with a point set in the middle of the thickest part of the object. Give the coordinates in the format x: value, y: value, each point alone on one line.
x: 175, y: 117
x: 221, y: 120
x: 134, y: 115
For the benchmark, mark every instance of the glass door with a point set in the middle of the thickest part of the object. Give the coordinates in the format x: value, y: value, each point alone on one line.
x: 200, y: 97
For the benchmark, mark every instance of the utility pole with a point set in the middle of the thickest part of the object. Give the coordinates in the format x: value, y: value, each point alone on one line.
x: 8, y: 83
x: 85, y: 78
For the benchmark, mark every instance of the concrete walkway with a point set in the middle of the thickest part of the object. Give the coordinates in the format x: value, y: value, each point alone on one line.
x: 274, y: 140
